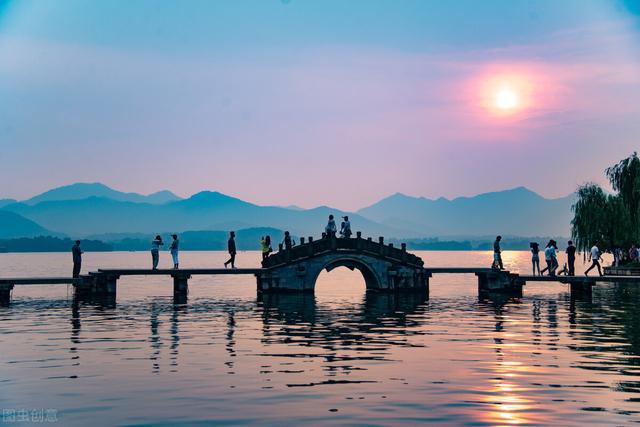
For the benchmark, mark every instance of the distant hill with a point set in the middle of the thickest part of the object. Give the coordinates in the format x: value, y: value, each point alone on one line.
x: 202, y: 211
x: 85, y: 190
x: 14, y: 225
x: 5, y: 202
x: 518, y: 212
x: 81, y: 210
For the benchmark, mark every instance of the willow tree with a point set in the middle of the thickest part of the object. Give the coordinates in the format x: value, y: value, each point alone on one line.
x: 610, y: 219
x: 589, y: 220
x: 599, y: 217
x: 625, y: 179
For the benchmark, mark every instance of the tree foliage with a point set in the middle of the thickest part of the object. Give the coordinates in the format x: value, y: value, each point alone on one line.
x: 625, y: 179
x: 611, y: 220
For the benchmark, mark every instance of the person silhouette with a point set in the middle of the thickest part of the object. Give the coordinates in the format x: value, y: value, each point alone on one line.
x: 287, y: 242
x: 231, y: 248
x: 76, y: 253
x: 346, y: 229
x: 497, y: 254
x: 595, y: 259
x: 155, y: 251
x: 330, y: 229
x: 173, y: 248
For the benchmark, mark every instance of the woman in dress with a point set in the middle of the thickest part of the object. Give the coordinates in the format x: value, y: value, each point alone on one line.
x: 535, y: 257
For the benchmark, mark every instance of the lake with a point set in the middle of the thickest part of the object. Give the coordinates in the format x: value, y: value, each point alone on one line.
x: 338, y: 357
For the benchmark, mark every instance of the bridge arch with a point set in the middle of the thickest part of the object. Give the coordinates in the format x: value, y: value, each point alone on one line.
x: 383, y: 267
x: 371, y: 279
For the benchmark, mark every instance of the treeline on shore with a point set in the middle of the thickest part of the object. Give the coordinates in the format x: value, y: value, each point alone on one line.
x: 479, y: 244
x: 50, y: 244
x: 247, y: 240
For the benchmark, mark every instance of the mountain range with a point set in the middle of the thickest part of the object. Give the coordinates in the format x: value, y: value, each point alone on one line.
x: 518, y: 212
x: 81, y: 210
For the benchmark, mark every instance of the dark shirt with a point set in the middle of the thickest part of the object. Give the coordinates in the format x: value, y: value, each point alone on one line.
x: 231, y: 245
x: 287, y: 242
x: 571, y: 252
x: 496, y: 246
x: 77, y: 254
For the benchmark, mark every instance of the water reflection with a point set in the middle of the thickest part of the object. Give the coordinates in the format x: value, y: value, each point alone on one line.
x: 546, y: 358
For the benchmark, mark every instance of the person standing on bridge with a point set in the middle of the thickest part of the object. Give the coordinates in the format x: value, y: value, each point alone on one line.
x: 535, y: 257
x: 173, y: 248
x: 497, y: 254
x: 287, y: 242
x: 571, y: 258
x: 265, y: 247
x: 331, y: 229
x: 76, y: 252
x: 551, y: 258
x: 231, y: 247
x: 155, y: 251
x: 346, y: 229
x: 595, y: 259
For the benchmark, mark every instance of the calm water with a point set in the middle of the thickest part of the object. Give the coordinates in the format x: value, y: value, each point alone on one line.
x: 339, y: 357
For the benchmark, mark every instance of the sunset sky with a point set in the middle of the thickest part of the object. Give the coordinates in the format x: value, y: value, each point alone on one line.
x: 317, y: 102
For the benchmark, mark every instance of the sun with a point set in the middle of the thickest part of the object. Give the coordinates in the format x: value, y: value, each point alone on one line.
x: 506, y: 94
x: 506, y: 99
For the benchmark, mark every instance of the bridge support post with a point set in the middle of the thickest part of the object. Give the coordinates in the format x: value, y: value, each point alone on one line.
x: 426, y: 277
x: 105, y: 284
x: 85, y: 286
x: 499, y: 281
x: 180, y: 285
x: 581, y: 289
x: 5, y: 294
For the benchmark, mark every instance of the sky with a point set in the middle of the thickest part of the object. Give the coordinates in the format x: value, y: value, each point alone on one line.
x: 304, y: 102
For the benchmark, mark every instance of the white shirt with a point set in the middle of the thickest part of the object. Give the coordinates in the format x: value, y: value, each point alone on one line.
x: 595, y: 253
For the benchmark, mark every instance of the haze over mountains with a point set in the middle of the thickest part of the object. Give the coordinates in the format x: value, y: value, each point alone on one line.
x: 518, y: 211
x: 81, y: 210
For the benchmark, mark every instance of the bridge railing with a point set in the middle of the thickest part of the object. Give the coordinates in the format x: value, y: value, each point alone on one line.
x: 310, y: 247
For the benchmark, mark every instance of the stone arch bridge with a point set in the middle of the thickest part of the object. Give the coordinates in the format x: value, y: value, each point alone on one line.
x: 384, y: 267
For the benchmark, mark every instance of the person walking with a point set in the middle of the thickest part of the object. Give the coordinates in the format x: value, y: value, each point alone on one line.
x: 535, y: 257
x: 595, y: 259
x: 155, y: 251
x: 173, y: 248
x: 231, y: 247
x: 554, y: 258
x: 497, y: 254
x: 76, y: 253
x: 571, y: 258
x: 633, y: 253
x: 331, y: 229
x: 346, y: 229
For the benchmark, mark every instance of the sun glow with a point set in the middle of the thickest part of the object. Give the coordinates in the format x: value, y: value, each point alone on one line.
x: 506, y: 94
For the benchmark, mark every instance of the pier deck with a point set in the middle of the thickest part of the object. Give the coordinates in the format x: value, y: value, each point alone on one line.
x: 580, y: 279
x: 174, y: 272
x: 39, y: 281
x: 103, y: 282
x: 457, y: 270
